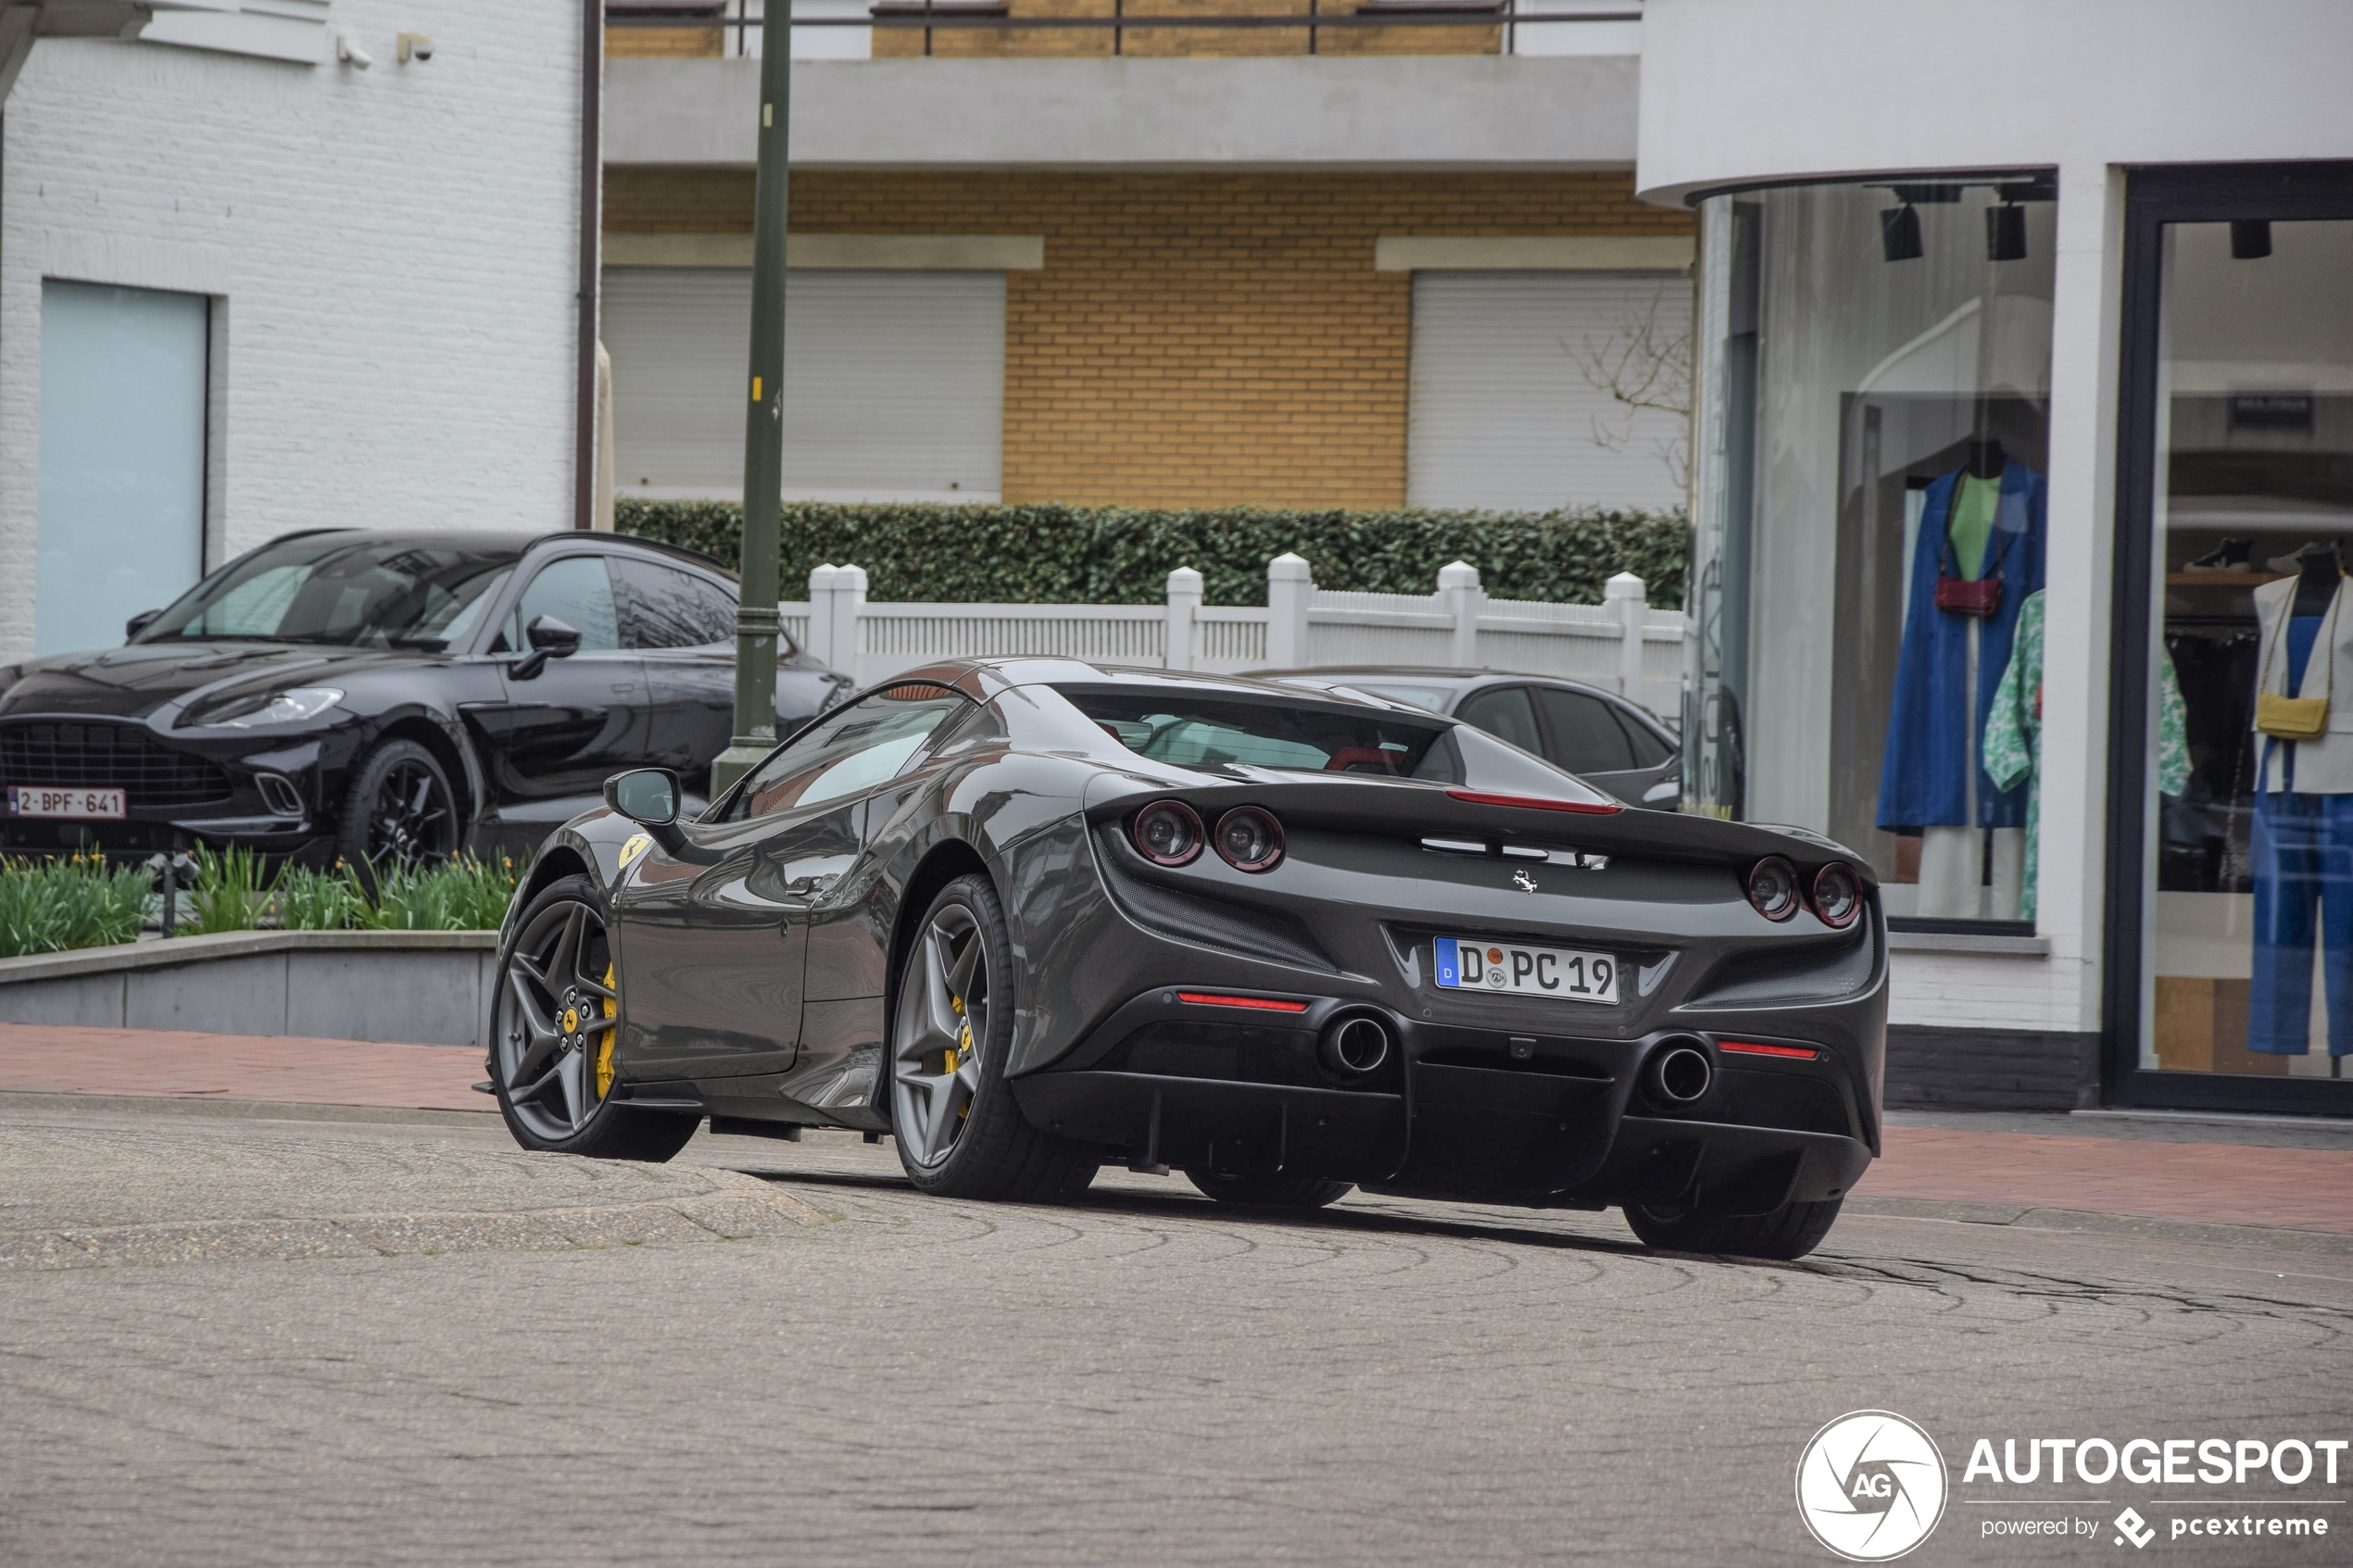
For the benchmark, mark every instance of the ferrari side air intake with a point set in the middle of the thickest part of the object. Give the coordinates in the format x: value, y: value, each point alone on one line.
x: 1678, y: 1075
x: 1355, y: 1045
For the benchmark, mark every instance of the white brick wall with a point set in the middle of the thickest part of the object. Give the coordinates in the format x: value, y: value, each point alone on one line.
x: 2028, y: 991
x: 394, y: 250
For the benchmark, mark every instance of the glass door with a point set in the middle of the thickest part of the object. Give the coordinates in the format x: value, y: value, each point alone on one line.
x: 2238, y: 515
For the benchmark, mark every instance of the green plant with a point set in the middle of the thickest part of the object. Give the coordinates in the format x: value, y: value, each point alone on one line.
x: 457, y: 895
x: 81, y: 901
x: 316, y: 901
x: 227, y: 894
x: 1054, y: 553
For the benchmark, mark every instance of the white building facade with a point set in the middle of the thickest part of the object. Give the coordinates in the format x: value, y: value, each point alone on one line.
x: 2023, y: 466
x: 290, y: 264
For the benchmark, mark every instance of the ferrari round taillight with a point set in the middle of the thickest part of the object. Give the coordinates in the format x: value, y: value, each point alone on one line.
x: 1250, y: 839
x: 1772, y: 887
x: 1168, y: 833
x: 1837, y: 897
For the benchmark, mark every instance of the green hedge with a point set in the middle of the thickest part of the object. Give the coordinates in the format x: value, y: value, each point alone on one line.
x: 1123, y: 554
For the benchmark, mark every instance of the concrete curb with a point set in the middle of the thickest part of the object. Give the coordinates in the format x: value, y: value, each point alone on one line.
x: 740, y: 1207
x: 416, y: 988
x: 170, y: 953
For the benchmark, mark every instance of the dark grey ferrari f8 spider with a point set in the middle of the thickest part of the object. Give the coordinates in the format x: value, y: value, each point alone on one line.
x: 1031, y: 916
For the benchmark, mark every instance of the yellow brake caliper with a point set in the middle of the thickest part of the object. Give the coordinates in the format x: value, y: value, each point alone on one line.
x: 955, y: 1054
x: 604, y: 1046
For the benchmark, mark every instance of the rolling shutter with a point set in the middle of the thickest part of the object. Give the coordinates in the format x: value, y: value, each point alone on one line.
x: 1504, y: 412
x: 894, y: 382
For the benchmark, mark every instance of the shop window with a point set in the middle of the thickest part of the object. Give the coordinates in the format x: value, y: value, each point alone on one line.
x: 2247, y: 784
x: 1874, y: 404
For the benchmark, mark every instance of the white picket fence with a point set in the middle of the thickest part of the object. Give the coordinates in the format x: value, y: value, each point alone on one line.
x: 1621, y: 644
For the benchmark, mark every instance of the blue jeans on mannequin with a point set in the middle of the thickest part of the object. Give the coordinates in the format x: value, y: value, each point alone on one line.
x: 2303, y: 854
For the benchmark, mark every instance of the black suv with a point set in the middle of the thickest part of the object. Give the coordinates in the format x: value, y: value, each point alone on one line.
x: 374, y: 695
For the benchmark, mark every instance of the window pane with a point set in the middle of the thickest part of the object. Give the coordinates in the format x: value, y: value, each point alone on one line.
x: 1869, y: 518
x: 1649, y: 751
x: 1586, y: 733
x: 576, y: 591
x: 662, y: 608
x: 123, y: 458
x: 1198, y: 732
x: 849, y: 752
x: 1507, y: 715
x: 2250, y: 832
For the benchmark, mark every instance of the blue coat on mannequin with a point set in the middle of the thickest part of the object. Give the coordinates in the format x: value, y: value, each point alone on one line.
x: 1921, y: 782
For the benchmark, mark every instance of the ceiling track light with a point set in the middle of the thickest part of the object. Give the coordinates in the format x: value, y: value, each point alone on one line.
x: 2006, y: 233
x: 1899, y: 233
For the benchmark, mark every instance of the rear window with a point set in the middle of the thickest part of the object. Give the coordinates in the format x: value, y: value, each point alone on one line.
x: 1190, y: 730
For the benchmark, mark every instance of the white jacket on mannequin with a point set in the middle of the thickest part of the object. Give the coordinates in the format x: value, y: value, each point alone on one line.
x: 2323, y: 766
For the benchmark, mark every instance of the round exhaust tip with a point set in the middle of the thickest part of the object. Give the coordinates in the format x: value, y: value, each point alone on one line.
x: 1679, y: 1075
x: 1356, y: 1045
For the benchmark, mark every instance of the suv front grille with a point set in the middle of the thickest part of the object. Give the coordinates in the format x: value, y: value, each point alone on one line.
x: 103, y: 756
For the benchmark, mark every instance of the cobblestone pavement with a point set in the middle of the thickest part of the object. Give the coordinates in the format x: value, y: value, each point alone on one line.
x: 1139, y: 1378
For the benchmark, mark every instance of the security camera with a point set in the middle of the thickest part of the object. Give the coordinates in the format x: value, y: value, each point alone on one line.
x: 352, y: 55
x: 415, y: 46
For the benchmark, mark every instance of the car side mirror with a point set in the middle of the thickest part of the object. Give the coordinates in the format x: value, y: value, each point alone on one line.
x: 549, y: 638
x: 556, y: 639
x: 648, y: 796
x: 139, y: 623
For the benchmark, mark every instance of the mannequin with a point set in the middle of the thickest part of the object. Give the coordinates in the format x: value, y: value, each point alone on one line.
x: 1983, y: 519
x: 2302, y: 843
x: 2318, y: 570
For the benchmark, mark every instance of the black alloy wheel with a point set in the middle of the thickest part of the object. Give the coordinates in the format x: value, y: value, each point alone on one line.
x: 958, y: 1133
x: 401, y: 810
x: 1786, y: 1234
x: 1272, y: 1189
x: 554, y: 1025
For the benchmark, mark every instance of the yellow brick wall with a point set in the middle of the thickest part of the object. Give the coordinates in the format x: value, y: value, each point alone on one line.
x: 665, y: 43
x: 1194, y: 339
x: 967, y: 43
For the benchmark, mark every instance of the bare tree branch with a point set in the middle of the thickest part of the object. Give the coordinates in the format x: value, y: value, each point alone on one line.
x: 1645, y: 366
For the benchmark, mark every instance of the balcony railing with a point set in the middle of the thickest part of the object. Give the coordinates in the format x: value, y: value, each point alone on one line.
x: 1084, y: 27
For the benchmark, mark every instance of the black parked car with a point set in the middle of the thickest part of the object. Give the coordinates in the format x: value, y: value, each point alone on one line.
x: 1029, y: 916
x: 1598, y: 736
x: 366, y: 695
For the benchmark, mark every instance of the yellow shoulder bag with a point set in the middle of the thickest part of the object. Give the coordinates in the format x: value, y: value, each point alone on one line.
x: 2298, y: 718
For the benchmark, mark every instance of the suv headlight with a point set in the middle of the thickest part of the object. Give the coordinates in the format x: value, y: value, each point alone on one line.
x: 277, y: 708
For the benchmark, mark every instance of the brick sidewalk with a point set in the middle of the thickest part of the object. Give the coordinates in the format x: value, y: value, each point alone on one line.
x: 2226, y: 1184
x: 45, y: 1058
x: 2308, y: 1190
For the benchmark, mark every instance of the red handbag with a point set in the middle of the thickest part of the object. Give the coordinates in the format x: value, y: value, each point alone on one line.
x: 1960, y: 596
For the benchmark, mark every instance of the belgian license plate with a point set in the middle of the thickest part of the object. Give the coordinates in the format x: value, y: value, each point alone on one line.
x: 1466, y: 964
x: 40, y: 800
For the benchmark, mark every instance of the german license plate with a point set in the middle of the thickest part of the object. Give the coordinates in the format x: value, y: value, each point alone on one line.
x: 40, y: 800
x: 1468, y: 964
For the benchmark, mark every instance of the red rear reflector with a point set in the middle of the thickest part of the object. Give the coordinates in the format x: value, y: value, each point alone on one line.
x: 1590, y: 807
x: 1750, y: 1047
x: 1264, y: 1004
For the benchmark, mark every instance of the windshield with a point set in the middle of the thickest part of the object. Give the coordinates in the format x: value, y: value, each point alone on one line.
x: 331, y: 588
x: 1203, y: 730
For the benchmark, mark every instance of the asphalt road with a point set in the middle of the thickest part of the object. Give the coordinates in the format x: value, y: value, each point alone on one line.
x: 228, y: 1340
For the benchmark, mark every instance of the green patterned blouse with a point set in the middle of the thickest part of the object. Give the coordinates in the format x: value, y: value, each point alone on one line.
x: 2014, y: 732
